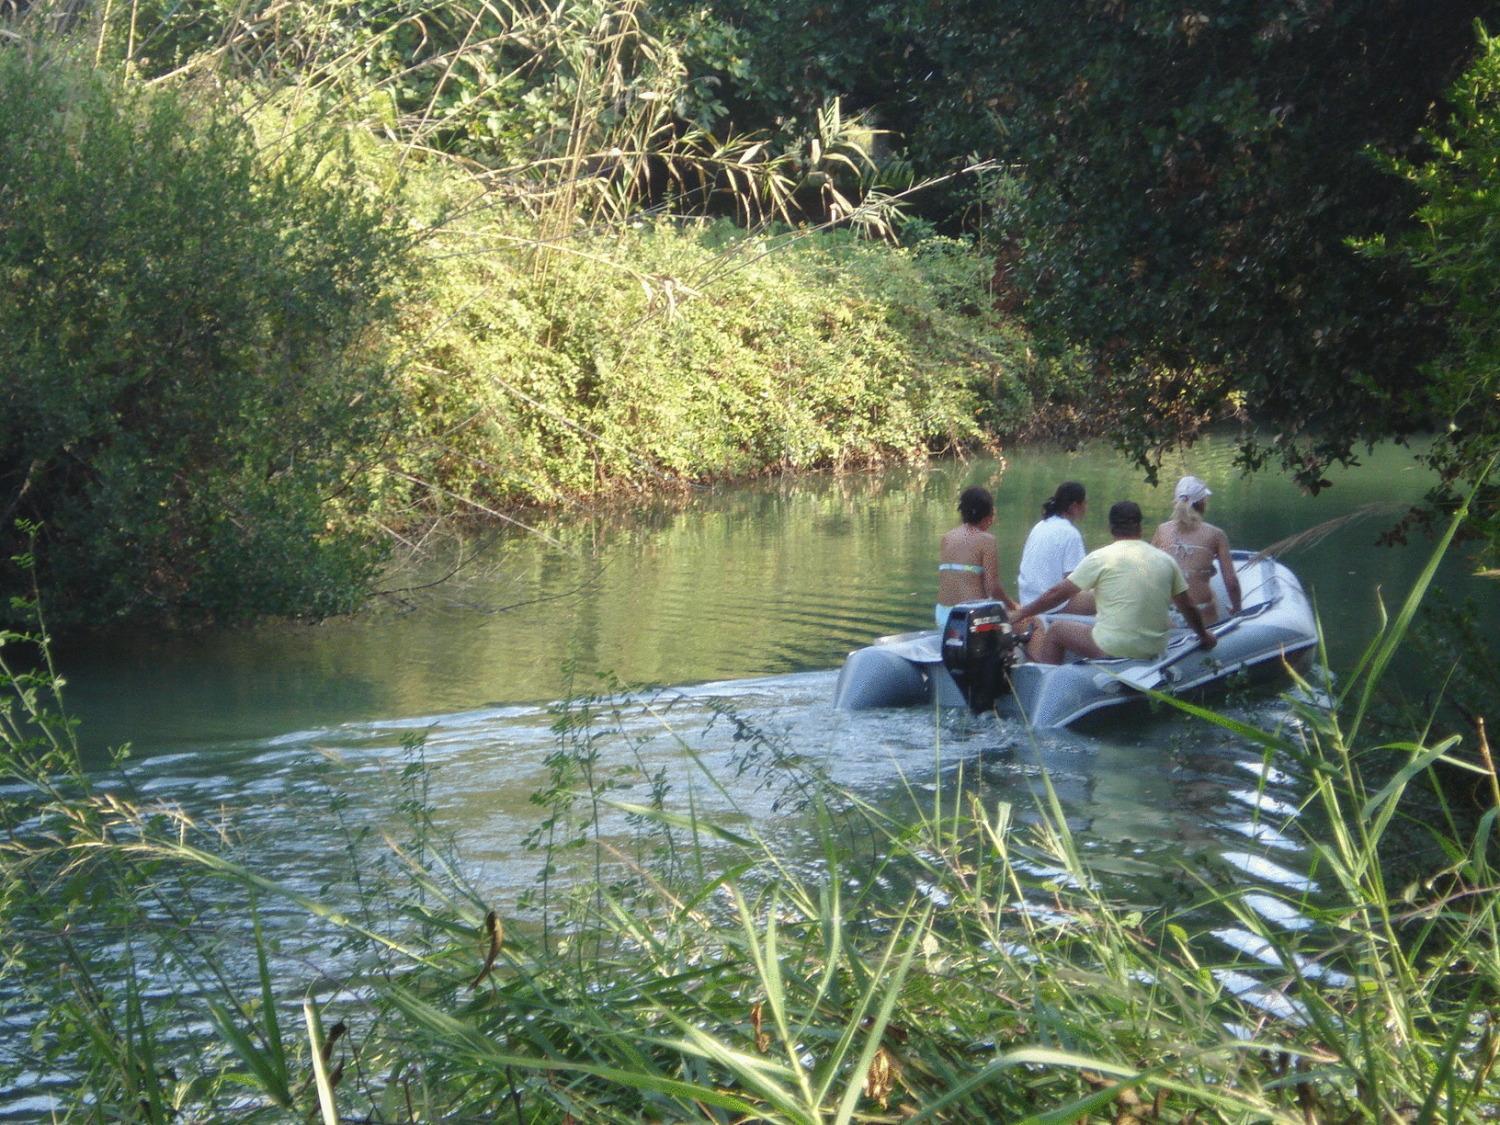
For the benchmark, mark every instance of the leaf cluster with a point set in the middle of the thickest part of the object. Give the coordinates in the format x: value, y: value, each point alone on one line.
x: 674, y: 351
x: 1457, y: 251
x: 190, y: 380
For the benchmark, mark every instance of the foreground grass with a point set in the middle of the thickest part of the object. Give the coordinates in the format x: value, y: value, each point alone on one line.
x: 973, y: 969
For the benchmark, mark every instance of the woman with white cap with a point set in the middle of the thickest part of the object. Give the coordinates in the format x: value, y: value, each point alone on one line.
x: 1197, y: 546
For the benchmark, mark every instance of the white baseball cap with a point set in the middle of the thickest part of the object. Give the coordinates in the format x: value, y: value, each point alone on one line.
x: 1191, y: 489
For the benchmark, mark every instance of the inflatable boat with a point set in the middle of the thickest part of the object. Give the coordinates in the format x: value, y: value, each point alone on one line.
x: 978, y: 661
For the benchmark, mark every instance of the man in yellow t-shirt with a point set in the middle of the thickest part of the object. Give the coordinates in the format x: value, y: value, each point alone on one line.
x: 1133, y: 583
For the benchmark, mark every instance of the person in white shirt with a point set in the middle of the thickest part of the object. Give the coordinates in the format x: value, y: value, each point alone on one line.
x: 1136, y: 583
x: 1054, y: 547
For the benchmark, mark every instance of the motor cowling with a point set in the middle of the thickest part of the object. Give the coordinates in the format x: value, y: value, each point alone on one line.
x: 979, y: 647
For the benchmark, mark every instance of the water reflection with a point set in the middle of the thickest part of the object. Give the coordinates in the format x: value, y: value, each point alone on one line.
x: 781, y: 576
x: 745, y: 600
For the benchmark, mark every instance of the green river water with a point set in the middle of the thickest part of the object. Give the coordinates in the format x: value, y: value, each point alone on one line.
x: 748, y: 595
x: 734, y: 583
x: 745, y: 597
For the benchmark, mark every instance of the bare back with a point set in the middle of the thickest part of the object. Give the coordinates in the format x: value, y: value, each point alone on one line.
x: 1199, y: 550
x: 968, y: 566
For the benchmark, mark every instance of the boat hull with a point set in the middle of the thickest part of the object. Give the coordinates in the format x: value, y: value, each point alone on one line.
x: 1275, y: 625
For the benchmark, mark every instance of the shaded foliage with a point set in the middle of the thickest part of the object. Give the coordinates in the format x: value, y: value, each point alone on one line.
x: 1192, y: 180
x: 190, y: 386
x: 1457, y: 249
x: 1186, y: 185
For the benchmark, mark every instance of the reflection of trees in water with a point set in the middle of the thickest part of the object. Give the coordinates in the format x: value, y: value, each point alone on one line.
x: 779, y: 575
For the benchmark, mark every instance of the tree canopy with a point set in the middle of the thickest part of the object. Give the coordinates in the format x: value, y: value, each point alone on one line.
x: 1188, y: 184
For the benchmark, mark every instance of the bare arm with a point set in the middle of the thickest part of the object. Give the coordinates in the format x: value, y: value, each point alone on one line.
x: 1054, y: 597
x: 989, y: 557
x: 1190, y: 612
x: 1226, y: 568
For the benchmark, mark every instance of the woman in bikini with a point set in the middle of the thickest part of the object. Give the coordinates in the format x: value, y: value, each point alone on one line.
x: 1197, y: 546
x: 968, y: 560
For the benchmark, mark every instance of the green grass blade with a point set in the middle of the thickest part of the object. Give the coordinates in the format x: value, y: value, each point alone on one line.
x: 463, y: 1037
x: 891, y: 987
x: 264, y: 1069
x: 1391, y: 638
x: 1389, y: 794
x: 275, y: 1048
x: 675, y: 820
x: 1444, y: 1075
x: 327, y: 1104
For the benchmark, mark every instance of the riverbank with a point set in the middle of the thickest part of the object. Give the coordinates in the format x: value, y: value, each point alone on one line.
x: 687, y: 352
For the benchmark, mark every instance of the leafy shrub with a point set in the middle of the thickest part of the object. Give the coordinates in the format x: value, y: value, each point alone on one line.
x: 696, y: 352
x: 191, y: 381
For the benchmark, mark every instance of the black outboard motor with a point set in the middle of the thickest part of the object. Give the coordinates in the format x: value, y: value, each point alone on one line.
x: 979, y: 648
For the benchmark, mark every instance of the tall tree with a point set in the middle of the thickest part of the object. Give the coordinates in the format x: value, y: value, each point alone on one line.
x: 1189, y: 180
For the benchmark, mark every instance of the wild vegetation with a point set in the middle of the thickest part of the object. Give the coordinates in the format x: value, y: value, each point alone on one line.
x: 952, y: 961
x: 510, y: 273
x: 361, y: 335
x: 285, y: 279
x: 186, y: 342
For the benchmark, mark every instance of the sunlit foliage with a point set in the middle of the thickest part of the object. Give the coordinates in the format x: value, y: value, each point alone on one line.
x: 190, y: 388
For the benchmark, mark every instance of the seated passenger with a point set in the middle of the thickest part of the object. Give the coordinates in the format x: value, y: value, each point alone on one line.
x: 1054, y: 547
x: 968, y: 560
x: 1196, y: 546
x: 1134, y: 584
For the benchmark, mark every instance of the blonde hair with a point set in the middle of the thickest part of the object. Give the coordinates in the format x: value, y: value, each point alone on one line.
x: 1187, y: 515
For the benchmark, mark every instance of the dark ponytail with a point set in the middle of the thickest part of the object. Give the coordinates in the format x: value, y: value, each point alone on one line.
x: 1068, y: 493
x: 974, y: 504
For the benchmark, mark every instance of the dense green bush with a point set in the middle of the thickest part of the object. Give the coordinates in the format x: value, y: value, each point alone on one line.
x: 695, y: 352
x: 191, y: 380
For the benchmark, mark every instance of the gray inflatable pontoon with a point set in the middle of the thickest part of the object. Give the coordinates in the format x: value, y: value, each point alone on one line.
x: 1275, y: 624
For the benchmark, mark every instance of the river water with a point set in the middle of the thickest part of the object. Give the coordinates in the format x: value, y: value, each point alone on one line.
x: 749, y: 594
x: 740, y: 599
x: 746, y: 597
